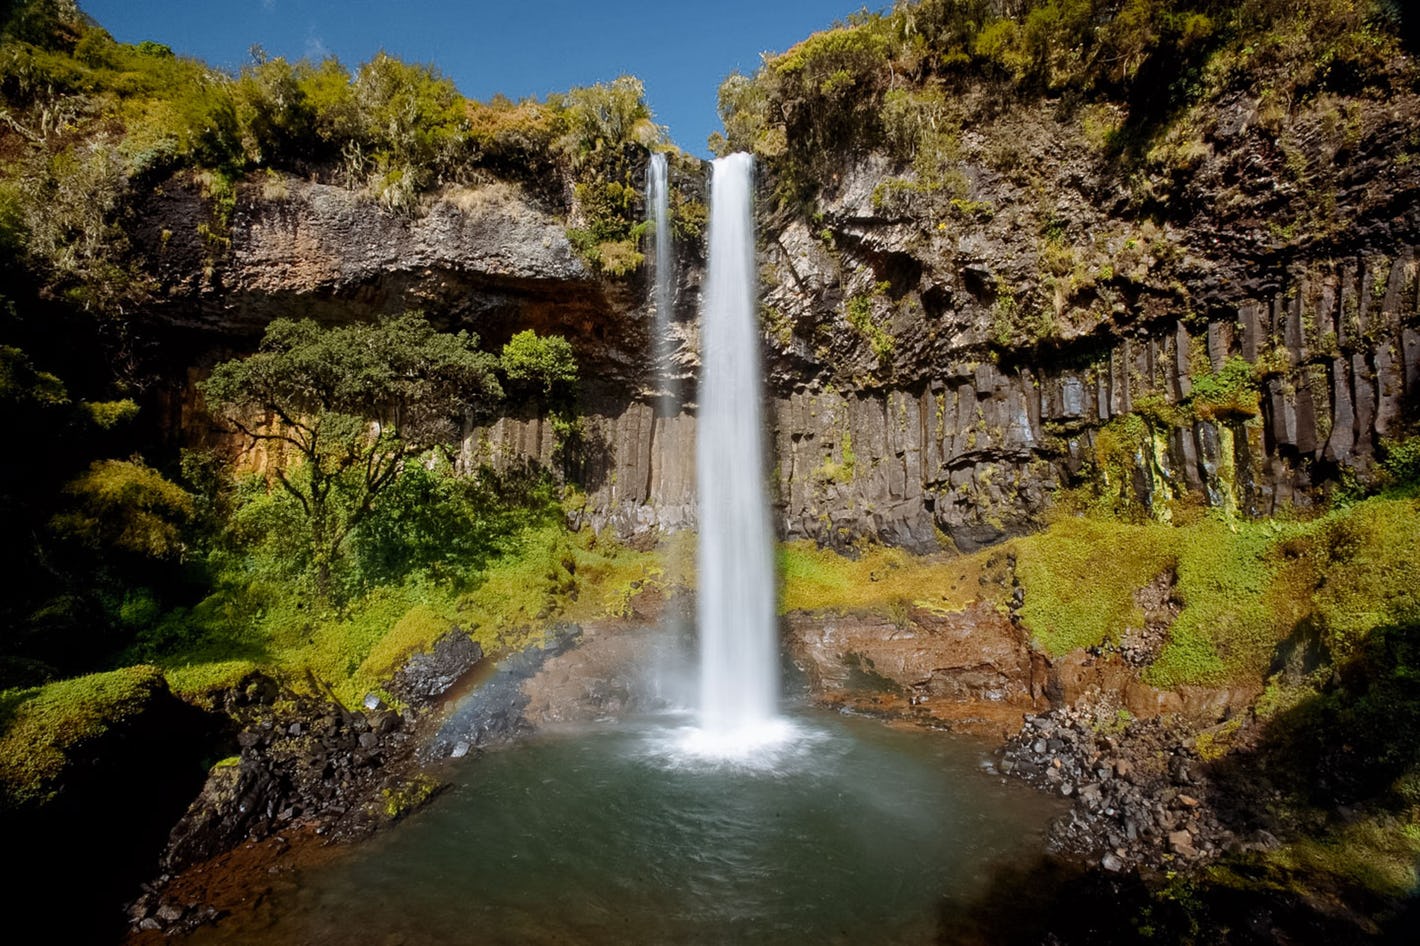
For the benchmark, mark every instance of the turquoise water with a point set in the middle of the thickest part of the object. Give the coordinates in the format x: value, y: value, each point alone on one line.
x: 853, y: 832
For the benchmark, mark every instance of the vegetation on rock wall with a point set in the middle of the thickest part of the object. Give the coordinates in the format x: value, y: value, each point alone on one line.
x: 1322, y: 616
x: 355, y: 537
x: 91, y: 124
x: 887, y: 79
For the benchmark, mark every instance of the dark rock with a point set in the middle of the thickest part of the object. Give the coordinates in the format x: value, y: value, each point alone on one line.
x: 494, y: 712
x: 1141, y: 819
x: 427, y: 675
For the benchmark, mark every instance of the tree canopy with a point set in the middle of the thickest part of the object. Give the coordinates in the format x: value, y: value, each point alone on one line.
x: 353, y: 403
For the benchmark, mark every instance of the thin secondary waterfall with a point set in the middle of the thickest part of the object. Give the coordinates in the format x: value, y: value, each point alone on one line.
x: 739, y: 668
x: 663, y: 290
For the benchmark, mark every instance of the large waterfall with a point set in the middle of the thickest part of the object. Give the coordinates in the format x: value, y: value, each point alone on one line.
x: 739, y: 669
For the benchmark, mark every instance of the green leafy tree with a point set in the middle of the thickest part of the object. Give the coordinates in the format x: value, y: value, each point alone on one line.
x: 354, y: 403
x: 546, y: 360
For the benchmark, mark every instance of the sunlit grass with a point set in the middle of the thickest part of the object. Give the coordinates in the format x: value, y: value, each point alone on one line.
x: 45, y: 726
x: 880, y: 578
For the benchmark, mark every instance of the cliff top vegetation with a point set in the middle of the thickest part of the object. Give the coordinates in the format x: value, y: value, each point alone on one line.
x: 87, y: 124
x: 889, y: 80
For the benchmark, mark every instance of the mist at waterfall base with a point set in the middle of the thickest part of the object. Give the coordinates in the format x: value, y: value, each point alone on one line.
x: 713, y: 816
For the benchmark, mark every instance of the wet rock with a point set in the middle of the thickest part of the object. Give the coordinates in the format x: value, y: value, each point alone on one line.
x: 1128, y: 806
x: 427, y: 675
x: 977, y: 661
x: 303, y: 761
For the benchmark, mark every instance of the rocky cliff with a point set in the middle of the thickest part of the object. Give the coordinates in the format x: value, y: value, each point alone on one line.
x: 1232, y: 318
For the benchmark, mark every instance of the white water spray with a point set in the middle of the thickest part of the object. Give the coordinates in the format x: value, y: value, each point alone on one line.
x: 739, y: 668
x: 663, y: 290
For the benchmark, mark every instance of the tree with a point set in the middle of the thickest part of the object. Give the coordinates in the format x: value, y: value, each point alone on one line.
x: 355, y: 403
x: 544, y: 360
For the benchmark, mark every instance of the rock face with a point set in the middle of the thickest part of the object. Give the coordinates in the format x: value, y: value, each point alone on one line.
x: 618, y: 667
x: 303, y: 761
x: 495, y: 712
x: 427, y: 675
x: 936, y: 373
x: 976, y: 654
x: 487, y: 258
x: 973, y: 670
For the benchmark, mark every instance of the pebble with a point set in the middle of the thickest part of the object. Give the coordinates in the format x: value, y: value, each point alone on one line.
x: 1129, y: 809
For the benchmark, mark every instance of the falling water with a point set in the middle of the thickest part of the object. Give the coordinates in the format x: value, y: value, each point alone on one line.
x: 663, y: 291
x: 738, y: 654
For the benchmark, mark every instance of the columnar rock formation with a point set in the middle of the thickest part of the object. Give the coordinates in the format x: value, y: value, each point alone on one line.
x: 929, y: 385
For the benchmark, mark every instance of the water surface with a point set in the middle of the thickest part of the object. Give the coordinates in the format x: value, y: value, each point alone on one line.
x: 852, y: 832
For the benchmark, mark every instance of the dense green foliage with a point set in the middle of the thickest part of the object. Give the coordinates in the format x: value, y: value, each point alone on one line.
x: 546, y: 362
x: 888, y: 79
x: 354, y: 403
x: 344, y: 538
x: 44, y: 730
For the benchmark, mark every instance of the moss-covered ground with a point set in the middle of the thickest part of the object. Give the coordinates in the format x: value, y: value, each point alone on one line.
x: 41, y: 728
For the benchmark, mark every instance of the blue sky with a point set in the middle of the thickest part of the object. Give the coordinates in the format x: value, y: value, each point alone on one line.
x: 680, y: 50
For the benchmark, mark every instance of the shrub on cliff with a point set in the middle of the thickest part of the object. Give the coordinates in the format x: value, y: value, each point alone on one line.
x: 842, y: 90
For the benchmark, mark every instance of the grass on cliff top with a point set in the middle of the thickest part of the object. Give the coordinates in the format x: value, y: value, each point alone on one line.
x: 41, y: 728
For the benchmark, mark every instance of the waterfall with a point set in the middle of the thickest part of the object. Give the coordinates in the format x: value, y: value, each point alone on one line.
x: 739, y: 666
x: 663, y: 290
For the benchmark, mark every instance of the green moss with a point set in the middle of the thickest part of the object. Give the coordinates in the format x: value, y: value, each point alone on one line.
x: 1379, y: 854
x: 408, y: 796
x: 199, y: 677
x: 1351, y: 572
x: 859, y: 312
x: 48, y: 728
x: 882, y: 580
x: 1230, y: 393
x: 545, y: 575
x: 1079, y: 587
x: 1225, y: 632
